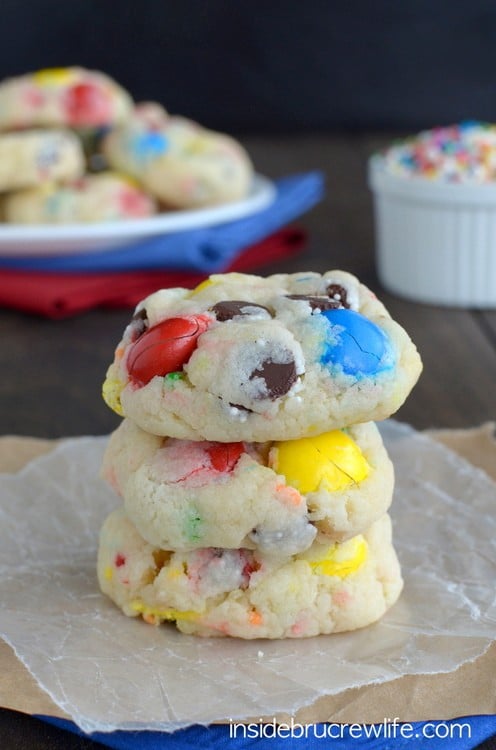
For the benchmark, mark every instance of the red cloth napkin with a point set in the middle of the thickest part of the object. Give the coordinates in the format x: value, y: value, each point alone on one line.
x: 60, y: 295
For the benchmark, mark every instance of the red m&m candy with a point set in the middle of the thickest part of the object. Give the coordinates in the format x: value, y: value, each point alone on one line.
x: 87, y: 105
x: 165, y: 348
x: 224, y: 456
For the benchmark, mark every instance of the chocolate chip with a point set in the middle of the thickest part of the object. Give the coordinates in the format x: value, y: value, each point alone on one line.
x: 241, y: 407
x: 339, y: 294
x: 315, y: 302
x: 230, y: 308
x: 140, y: 315
x: 279, y: 377
x: 139, y: 323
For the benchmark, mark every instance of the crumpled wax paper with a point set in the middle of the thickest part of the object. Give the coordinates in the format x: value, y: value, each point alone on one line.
x: 110, y: 672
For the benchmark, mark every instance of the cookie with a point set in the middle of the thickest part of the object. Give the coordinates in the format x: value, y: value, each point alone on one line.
x: 246, y: 594
x: 275, y: 497
x: 36, y: 157
x: 72, y: 97
x: 99, y: 197
x: 183, y: 165
x: 247, y: 358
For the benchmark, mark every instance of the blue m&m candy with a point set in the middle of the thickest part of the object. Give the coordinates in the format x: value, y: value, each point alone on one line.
x: 355, y: 344
x: 149, y: 145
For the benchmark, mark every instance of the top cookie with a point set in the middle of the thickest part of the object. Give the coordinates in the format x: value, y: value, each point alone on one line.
x: 243, y: 357
x: 62, y: 97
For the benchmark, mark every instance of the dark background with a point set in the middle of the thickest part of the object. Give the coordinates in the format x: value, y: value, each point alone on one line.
x: 267, y: 65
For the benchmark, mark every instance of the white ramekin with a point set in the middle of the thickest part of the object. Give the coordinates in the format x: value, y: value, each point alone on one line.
x: 435, y: 242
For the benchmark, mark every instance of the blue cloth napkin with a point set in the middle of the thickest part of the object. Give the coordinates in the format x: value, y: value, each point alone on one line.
x: 207, y: 250
x: 462, y: 734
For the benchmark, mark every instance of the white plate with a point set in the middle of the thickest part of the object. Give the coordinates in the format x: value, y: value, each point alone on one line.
x: 18, y: 240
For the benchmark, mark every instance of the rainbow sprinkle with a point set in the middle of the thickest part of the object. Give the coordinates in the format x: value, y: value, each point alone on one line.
x: 463, y: 153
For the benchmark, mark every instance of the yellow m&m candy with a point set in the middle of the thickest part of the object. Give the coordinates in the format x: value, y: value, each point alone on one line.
x: 332, y: 461
x: 339, y: 559
x: 167, y: 613
x: 203, y: 285
x: 111, y: 392
x: 216, y: 278
x: 54, y: 76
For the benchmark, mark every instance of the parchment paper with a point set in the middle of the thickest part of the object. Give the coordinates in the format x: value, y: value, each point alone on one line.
x: 109, y: 672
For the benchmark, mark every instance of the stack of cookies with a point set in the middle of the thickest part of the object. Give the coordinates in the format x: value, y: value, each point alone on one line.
x: 255, y: 484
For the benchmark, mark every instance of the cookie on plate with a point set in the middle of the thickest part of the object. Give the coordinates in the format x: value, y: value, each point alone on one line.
x: 182, y: 164
x: 35, y: 157
x: 243, y: 357
x: 275, y: 497
x: 71, y: 97
x: 95, y: 197
x: 243, y: 593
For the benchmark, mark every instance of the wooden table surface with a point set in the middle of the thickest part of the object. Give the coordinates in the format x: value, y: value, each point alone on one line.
x: 52, y: 371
